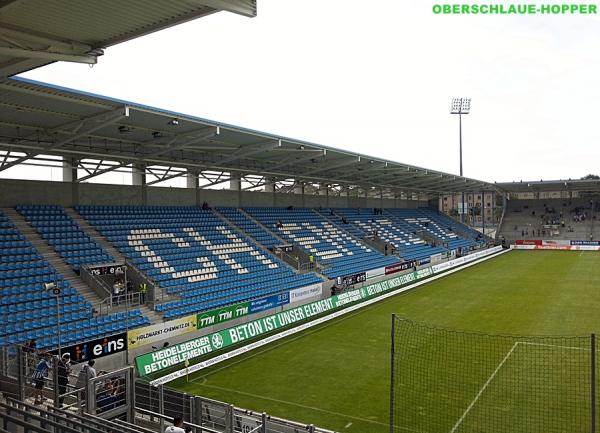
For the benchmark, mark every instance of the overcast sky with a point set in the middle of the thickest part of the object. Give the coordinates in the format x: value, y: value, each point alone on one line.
x: 377, y: 77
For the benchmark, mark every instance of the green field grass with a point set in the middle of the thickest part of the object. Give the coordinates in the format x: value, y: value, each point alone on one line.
x: 337, y: 375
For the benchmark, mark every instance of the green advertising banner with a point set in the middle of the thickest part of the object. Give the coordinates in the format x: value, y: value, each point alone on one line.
x: 179, y: 353
x: 223, y: 314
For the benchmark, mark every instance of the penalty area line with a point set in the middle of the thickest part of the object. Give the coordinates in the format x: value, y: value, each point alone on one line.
x: 483, y: 388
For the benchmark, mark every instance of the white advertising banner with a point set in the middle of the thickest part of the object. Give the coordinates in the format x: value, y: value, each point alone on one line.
x: 307, y: 292
x: 375, y: 272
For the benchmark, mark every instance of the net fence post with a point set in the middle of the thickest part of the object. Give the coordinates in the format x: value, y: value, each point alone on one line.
x: 593, y: 382
x: 392, y: 376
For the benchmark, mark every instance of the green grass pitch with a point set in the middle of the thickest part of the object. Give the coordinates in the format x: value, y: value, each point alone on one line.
x: 336, y: 375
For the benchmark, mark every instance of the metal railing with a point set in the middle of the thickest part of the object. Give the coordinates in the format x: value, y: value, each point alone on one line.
x: 213, y: 416
x: 97, y: 284
x: 50, y: 419
x: 155, y: 293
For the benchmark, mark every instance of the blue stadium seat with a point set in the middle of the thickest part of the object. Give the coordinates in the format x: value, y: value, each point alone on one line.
x: 333, y: 246
x: 192, y: 253
x: 26, y: 310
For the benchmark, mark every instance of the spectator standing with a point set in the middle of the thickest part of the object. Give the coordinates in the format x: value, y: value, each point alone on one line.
x: 64, y: 369
x: 116, y: 292
x: 177, y: 426
x: 39, y: 376
x: 143, y: 289
x: 85, y: 374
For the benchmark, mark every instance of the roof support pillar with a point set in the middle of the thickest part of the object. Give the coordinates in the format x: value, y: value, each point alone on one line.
x: 191, y: 180
x: 69, y: 174
x: 269, y: 184
x: 345, y: 192
x: 138, y: 178
x: 270, y: 189
x: 299, y: 189
x: 235, y: 183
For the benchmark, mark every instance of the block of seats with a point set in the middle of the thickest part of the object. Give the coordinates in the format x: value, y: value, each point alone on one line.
x: 438, y: 225
x: 64, y: 235
x: 193, y: 253
x: 340, y: 252
x: 28, y: 311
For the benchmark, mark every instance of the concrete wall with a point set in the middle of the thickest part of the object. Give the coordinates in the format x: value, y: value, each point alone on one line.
x: 13, y: 192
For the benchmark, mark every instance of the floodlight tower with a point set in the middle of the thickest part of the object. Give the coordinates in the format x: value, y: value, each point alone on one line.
x: 461, y: 106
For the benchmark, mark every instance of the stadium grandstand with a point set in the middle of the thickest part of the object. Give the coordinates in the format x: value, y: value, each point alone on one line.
x: 115, y: 299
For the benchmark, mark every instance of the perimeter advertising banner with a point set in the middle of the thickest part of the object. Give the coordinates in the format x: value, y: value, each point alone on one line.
x: 157, y: 361
x: 177, y: 354
x: 307, y: 292
x: 258, y: 305
x: 97, y: 348
x: 153, y: 333
x: 224, y: 314
x: 588, y: 243
x: 556, y: 244
x: 392, y: 269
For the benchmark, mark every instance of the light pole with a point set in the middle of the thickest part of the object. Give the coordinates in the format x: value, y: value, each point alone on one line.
x: 118, y: 273
x: 461, y: 106
x: 126, y: 300
x: 52, y: 287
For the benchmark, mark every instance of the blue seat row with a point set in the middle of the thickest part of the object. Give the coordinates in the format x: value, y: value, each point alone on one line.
x: 194, y: 254
x: 28, y: 311
x: 64, y: 235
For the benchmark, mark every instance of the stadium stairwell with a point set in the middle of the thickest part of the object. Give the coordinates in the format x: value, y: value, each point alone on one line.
x: 52, y: 256
x: 265, y: 228
x: 94, y: 234
x: 258, y: 233
x: 28, y: 311
x: 198, y: 257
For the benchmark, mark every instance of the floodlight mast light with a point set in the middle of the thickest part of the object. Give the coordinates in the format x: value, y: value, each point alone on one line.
x: 461, y: 106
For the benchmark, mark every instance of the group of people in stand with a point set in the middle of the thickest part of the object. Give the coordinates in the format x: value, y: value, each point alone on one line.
x: 119, y: 292
x: 44, y: 362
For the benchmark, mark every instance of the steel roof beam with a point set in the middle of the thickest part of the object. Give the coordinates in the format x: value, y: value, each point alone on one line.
x: 167, y: 177
x: 21, y: 37
x: 250, y: 150
x: 241, y: 7
x: 192, y: 139
x: 54, y: 56
x: 297, y: 160
x: 80, y: 131
x: 354, y: 160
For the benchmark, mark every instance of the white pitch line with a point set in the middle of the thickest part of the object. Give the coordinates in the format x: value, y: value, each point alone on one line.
x: 531, y: 343
x: 276, y: 400
x: 348, y: 425
x: 485, y: 385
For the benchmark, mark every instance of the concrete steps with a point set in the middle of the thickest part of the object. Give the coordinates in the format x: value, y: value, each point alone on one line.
x: 116, y: 254
x: 95, y: 234
x: 52, y: 256
x: 264, y: 227
x: 243, y: 233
